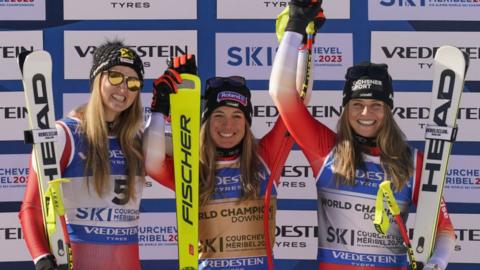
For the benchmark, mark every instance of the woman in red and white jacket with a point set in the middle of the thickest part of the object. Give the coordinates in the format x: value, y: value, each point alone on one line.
x: 349, y: 164
x: 100, y: 150
x: 235, y: 169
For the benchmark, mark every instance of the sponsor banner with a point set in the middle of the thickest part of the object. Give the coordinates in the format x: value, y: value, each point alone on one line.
x: 297, y: 181
x: 13, y: 116
x: 129, y: 10
x: 296, y: 235
x: 254, y: 9
x: 264, y: 114
x: 332, y: 55
x: 11, y: 45
x: 409, y: 55
x: 467, y: 236
x: 324, y: 105
x: 251, y: 55
x: 412, y: 110
x: 154, y: 47
x: 73, y: 100
x: 158, y: 236
x: 26, y: 10
x: 13, y: 177
x: 154, y: 190
x: 431, y: 10
x: 462, y: 183
x: 12, y: 245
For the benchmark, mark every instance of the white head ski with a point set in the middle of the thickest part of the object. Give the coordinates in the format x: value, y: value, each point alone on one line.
x: 450, y: 66
x: 36, y: 68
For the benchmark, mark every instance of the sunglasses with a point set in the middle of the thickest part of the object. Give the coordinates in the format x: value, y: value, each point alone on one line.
x: 376, y: 71
x: 217, y: 82
x: 116, y: 78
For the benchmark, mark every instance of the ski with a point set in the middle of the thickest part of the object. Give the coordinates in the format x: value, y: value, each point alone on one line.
x: 185, y: 123
x: 36, y: 69
x: 450, y: 66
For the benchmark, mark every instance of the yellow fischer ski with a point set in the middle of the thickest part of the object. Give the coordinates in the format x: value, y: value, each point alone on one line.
x: 185, y: 121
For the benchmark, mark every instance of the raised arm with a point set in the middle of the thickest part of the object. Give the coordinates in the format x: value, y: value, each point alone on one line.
x: 313, y: 137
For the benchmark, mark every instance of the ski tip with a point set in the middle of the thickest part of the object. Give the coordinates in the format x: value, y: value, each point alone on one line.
x: 452, y: 57
x: 33, y: 56
x: 450, y: 51
x: 21, y: 59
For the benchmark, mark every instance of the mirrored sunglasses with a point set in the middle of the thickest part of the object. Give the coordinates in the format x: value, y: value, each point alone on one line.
x: 116, y: 78
x: 217, y: 82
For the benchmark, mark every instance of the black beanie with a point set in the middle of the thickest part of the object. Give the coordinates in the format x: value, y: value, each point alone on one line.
x: 114, y: 53
x: 370, y: 81
x: 227, y: 93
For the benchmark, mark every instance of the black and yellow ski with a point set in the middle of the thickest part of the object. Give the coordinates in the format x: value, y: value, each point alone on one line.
x: 185, y: 121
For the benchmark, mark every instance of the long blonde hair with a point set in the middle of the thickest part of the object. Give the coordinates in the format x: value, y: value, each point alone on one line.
x: 249, y: 164
x: 395, y: 154
x: 127, y: 128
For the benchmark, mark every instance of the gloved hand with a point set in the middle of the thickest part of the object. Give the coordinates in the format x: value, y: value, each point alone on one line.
x: 184, y: 64
x: 168, y: 82
x: 46, y: 263
x: 302, y: 12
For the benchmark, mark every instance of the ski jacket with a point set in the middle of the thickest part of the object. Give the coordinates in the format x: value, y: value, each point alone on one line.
x: 347, y: 237
x: 231, y: 233
x: 103, y: 230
